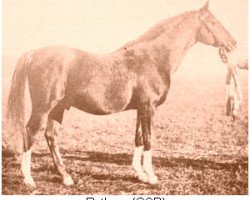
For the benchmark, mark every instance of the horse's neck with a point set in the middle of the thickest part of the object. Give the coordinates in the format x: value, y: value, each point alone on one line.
x: 177, y: 44
x: 168, y: 49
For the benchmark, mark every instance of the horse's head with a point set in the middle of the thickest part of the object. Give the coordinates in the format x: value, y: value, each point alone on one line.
x: 212, y: 32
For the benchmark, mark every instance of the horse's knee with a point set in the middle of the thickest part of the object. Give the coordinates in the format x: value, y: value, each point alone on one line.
x: 37, y: 122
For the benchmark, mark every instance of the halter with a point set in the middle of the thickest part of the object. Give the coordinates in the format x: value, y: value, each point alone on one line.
x: 203, y: 20
x: 223, y: 49
x: 223, y: 54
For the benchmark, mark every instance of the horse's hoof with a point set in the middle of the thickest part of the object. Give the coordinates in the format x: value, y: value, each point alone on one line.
x: 67, y: 180
x: 153, y: 180
x: 143, y: 177
x: 29, y: 182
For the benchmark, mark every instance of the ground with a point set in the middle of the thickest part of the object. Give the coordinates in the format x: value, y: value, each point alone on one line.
x: 197, y: 148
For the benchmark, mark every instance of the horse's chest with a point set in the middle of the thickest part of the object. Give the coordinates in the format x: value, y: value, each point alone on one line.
x: 154, y: 88
x: 160, y: 93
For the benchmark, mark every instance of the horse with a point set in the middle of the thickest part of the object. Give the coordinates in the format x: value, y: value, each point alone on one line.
x: 135, y: 76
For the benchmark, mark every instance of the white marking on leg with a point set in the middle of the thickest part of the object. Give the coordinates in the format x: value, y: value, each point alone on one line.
x: 136, y: 164
x: 25, y: 168
x: 148, y: 167
x: 137, y: 158
x: 67, y: 180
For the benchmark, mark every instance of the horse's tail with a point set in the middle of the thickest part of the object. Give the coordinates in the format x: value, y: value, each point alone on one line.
x: 15, y: 114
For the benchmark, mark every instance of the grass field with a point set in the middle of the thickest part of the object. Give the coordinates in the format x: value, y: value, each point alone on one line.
x: 197, y: 149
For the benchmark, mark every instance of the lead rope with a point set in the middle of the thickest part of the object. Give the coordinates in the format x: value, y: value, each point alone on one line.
x: 233, y: 86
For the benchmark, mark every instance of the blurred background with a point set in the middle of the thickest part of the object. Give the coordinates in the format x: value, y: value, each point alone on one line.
x: 102, y: 26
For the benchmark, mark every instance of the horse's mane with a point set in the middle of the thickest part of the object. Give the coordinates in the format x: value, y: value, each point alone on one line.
x: 161, y: 27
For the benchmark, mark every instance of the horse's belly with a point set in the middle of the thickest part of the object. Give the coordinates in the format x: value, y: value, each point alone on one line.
x: 103, y: 100
x: 96, y: 106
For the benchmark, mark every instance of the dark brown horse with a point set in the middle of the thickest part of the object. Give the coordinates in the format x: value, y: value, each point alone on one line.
x: 136, y: 76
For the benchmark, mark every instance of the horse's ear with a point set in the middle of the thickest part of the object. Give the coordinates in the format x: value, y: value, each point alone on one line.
x: 204, y: 11
x: 206, y: 7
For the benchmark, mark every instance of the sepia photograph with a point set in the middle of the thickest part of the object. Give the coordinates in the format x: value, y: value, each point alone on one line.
x: 115, y: 97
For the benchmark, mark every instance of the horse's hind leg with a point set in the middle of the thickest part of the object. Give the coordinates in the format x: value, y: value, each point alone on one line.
x: 35, y: 123
x: 137, y: 157
x: 51, y: 135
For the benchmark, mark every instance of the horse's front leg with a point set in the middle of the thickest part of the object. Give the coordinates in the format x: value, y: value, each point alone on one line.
x: 137, y: 158
x: 146, y: 114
